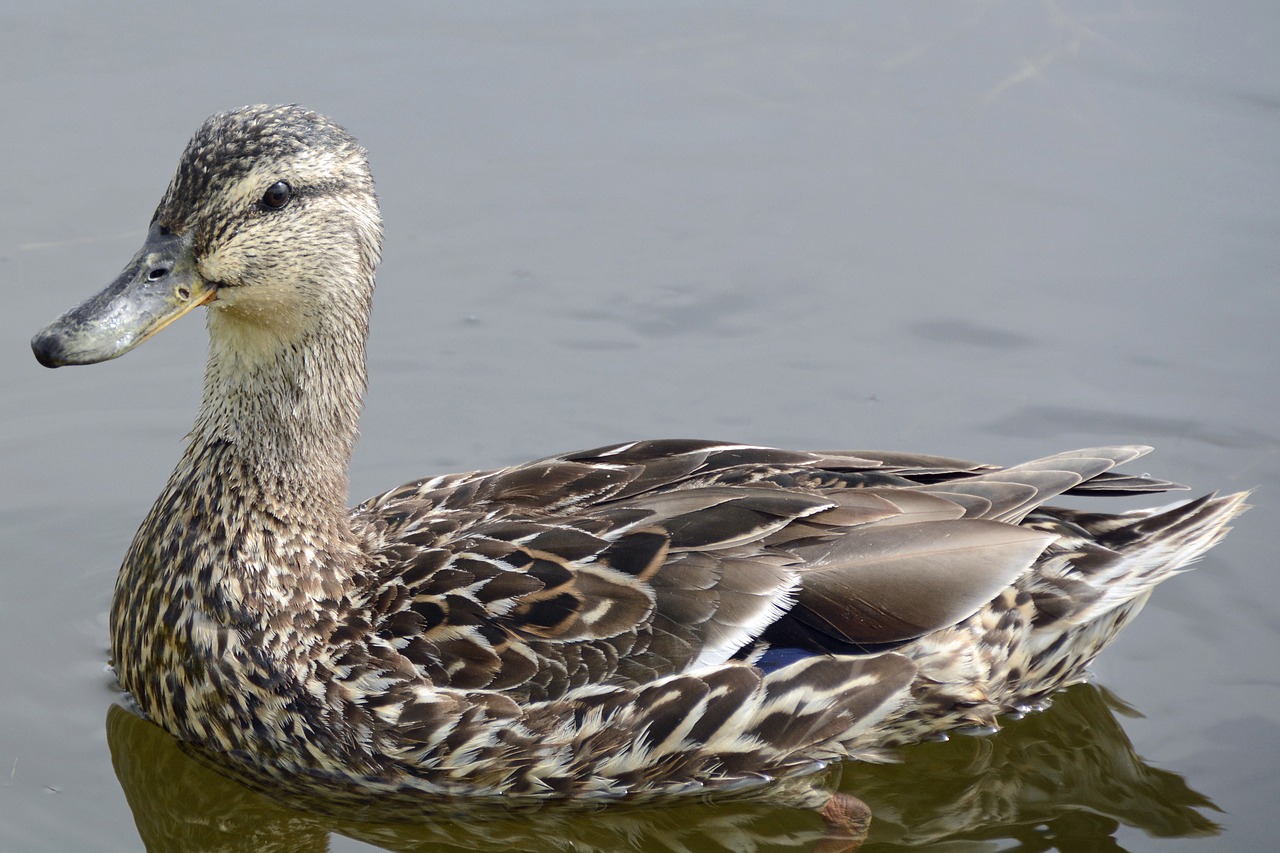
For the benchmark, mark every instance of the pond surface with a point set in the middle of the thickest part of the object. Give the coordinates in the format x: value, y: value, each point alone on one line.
x: 986, y: 230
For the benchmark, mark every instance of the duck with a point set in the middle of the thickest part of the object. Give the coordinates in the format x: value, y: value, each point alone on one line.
x: 653, y: 617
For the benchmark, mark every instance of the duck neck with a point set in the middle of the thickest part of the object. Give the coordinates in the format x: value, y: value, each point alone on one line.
x: 289, y: 412
x: 249, y: 550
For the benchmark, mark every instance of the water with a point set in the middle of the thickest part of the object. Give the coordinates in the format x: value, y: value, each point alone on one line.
x: 991, y: 230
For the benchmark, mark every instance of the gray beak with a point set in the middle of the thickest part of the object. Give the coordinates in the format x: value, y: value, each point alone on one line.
x: 158, y: 286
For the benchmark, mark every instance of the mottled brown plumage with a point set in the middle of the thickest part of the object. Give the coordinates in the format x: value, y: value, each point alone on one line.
x: 658, y: 616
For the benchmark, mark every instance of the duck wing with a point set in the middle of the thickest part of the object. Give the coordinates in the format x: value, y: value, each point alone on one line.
x: 628, y: 563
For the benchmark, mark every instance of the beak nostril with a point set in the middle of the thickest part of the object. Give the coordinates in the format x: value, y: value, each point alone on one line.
x: 157, y: 273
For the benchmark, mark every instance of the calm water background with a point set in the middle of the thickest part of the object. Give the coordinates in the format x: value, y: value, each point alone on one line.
x: 985, y: 229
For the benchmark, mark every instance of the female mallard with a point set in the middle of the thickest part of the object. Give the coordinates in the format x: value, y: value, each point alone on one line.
x: 653, y: 616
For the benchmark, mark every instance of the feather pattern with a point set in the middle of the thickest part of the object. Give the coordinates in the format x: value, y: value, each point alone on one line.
x: 647, y: 617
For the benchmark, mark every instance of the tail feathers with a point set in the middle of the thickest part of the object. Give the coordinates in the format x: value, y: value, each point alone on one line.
x: 1041, y: 634
x: 1121, y: 557
x: 1192, y: 526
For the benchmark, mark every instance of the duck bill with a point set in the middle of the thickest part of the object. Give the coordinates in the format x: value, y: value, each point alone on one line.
x: 158, y: 286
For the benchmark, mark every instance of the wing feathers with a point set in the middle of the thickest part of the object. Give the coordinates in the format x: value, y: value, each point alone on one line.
x: 645, y: 559
x: 887, y: 584
x: 1013, y: 492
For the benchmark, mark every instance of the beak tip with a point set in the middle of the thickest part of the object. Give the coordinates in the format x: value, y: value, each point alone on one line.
x: 48, y: 349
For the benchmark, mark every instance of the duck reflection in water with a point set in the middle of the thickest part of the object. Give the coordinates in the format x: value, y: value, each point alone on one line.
x: 1064, y: 779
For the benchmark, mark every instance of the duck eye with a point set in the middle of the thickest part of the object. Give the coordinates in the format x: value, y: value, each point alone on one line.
x: 277, y: 195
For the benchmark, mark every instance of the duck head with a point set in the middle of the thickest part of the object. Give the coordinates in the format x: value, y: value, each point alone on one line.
x: 271, y: 220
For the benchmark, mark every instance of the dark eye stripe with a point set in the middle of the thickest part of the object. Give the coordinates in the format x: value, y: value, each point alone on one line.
x: 277, y: 195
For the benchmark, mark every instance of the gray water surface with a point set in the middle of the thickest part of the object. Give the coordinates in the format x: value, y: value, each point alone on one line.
x: 991, y: 230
